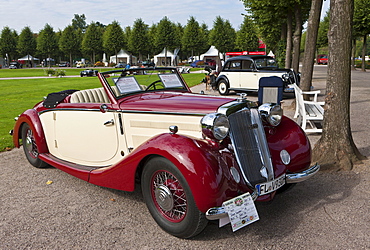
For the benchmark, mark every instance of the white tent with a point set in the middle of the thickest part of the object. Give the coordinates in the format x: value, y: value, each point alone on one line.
x: 211, y: 54
x: 28, y: 57
x: 123, y: 57
x: 160, y: 59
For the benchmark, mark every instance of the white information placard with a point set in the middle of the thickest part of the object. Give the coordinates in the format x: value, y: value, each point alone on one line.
x: 127, y: 84
x: 170, y: 80
x: 241, y: 211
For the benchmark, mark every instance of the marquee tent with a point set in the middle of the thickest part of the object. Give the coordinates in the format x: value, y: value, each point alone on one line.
x: 123, y: 57
x: 28, y: 58
x: 211, y: 54
x: 160, y: 59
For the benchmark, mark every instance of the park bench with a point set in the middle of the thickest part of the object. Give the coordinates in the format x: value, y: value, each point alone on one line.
x: 309, y: 113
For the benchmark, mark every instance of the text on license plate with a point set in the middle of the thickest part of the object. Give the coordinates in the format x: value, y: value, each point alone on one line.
x: 271, y: 186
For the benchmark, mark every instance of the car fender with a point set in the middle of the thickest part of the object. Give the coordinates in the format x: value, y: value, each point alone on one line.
x: 222, y: 77
x: 198, y: 160
x: 289, y: 136
x: 32, y: 118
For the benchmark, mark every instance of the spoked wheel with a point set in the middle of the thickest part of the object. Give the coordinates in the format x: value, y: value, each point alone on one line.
x: 30, y: 147
x: 169, y: 200
x: 223, y: 87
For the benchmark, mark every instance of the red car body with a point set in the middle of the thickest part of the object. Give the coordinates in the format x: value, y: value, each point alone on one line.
x: 205, y: 163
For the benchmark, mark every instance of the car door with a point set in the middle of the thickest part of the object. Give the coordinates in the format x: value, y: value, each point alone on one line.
x: 85, y: 136
x: 232, y: 72
x: 248, y: 76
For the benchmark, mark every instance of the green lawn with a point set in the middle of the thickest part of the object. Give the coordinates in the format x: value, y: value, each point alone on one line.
x: 19, y: 95
x: 8, y: 73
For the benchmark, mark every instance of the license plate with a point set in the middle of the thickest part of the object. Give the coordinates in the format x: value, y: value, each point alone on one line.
x: 271, y: 186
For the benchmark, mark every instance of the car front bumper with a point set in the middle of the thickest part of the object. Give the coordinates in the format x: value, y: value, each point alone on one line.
x: 216, y: 213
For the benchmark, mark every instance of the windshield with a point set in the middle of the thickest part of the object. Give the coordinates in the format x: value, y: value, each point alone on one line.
x: 129, y: 81
x: 267, y: 62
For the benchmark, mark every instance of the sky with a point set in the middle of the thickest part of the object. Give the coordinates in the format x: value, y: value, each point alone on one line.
x: 17, y: 14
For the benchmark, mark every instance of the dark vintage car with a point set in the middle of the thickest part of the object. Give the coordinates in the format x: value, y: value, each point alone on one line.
x: 196, y: 157
x: 15, y: 65
x: 88, y: 72
x: 242, y: 73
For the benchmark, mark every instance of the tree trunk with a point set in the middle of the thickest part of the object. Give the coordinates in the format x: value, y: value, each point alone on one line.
x: 310, y: 46
x: 363, y: 67
x: 288, y: 61
x: 297, y: 37
x: 336, y: 149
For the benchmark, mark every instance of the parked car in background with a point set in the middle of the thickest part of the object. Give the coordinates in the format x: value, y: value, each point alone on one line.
x: 242, y: 73
x: 121, y: 65
x: 322, y: 59
x: 80, y: 65
x: 195, y: 156
x: 148, y: 64
x: 15, y: 65
x: 89, y: 72
x: 64, y: 64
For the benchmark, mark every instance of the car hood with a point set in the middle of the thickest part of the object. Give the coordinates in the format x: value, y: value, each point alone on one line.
x: 173, y: 102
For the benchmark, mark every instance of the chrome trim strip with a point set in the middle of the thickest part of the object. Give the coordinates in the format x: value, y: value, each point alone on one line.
x: 302, y: 176
x: 123, y: 111
x: 215, y: 213
x: 72, y: 109
x: 160, y: 113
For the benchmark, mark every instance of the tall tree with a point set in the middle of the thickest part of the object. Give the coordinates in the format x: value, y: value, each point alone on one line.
x: 310, y: 47
x: 336, y: 148
x: 165, y: 35
x: 152, y: 33
x: 79, y: 22
x: 139, y: 42
x: 193, y: 38
x: 27, y: 44
x: 47, y: 43
x: 92, y: 41
x: 70, y: 42
x: 361, y: 25
x: 222, y: 35
x: 114, y: 39
x: 246, y: 37
x: 8, y: 43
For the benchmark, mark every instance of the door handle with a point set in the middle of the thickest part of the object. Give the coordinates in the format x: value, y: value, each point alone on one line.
x: 109, y: 123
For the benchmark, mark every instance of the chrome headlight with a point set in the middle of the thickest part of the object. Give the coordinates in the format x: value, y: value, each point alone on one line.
x: 215, y: 126
x: 285, y: 77
x: 271, y: 113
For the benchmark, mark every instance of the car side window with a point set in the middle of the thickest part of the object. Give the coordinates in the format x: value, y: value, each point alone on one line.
x: 247, y: 65
x: 233, y: 66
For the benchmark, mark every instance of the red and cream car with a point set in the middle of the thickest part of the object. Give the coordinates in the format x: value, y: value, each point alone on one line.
x: 190, y: 152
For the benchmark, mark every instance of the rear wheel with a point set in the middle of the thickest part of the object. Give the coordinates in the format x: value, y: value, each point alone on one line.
x: 30, y: 147
x: 169, y: 199
x: 223, y: 87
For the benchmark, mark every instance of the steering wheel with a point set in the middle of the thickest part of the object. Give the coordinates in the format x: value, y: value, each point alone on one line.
x: 154, y: 84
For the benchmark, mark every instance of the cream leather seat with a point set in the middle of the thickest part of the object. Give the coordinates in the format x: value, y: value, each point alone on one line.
x: 97, y: 95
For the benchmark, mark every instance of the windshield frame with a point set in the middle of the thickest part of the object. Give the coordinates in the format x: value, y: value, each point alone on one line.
x: 143, y: 78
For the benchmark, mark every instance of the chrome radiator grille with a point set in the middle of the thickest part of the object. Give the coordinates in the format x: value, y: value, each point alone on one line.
x: 250, y: 145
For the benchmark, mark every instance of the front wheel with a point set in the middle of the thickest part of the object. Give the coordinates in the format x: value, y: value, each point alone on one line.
x: 30, y: 147
x: 169, y: 199
x: 223, y: 87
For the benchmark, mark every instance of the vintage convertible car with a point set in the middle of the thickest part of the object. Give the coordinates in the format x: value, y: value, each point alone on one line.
x: 242, y: 73
x: 190, y: 152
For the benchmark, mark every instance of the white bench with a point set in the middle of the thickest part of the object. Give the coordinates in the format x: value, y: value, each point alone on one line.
x: 308, y: 112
